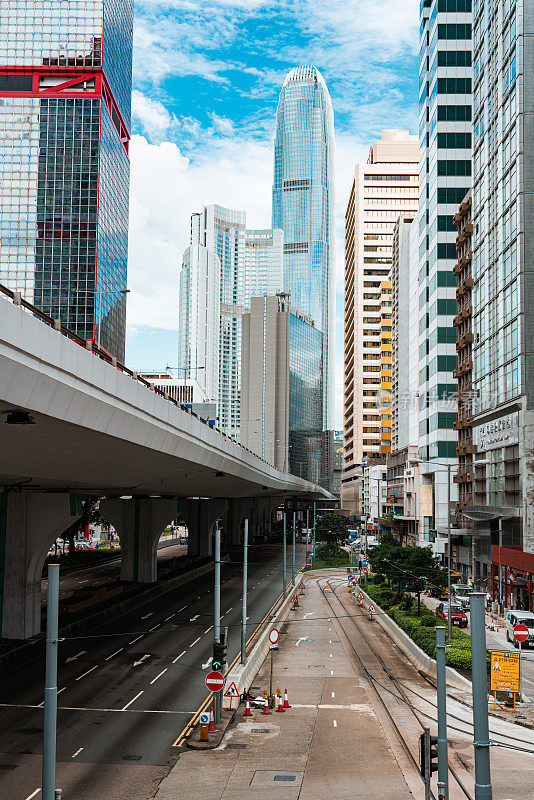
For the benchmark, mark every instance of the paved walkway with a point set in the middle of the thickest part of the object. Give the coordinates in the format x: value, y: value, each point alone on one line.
x: 330, y: 744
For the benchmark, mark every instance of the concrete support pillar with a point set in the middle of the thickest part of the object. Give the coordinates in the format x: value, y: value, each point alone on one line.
x: 139, y: 523
x: 29, y: 524
x: 237, y: 511
x: 201, y: 515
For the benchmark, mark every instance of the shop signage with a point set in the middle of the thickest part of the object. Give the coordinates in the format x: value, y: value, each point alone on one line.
x: 504, y: 672
x: 427, y: 500
x: 500, y: 432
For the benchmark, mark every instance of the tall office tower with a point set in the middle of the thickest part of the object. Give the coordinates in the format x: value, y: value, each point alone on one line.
x: 282, y: 360
x: 503, y: 295
x: 304, y: 208
x: 248, y: 261
x: 198, y: 320
x: 401, y: 314
x: 445, y: 176
x: 383, y: 189
x: 65, y: 95
x: 384, y: 402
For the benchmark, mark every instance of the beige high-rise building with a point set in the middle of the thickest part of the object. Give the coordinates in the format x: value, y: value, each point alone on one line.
x: 383, y: 189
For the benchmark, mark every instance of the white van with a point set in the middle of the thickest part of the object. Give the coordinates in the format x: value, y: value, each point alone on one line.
x: 514, y: 618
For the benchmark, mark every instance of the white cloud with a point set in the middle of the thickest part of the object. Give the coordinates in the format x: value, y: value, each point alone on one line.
x: 150, y: 114
x: 222, y: 125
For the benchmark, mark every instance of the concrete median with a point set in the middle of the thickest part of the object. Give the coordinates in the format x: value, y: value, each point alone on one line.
x: 243, y: 675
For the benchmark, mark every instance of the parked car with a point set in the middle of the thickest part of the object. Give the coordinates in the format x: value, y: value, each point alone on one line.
x: 461, y: 594
x: 82, y: 545
x: 458, y: 617
x: 514, y: 618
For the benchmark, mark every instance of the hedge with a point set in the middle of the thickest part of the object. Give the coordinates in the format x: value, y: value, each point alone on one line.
x: 421, y: 630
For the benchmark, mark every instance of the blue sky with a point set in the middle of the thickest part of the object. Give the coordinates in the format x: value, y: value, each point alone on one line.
x: 207, y: 74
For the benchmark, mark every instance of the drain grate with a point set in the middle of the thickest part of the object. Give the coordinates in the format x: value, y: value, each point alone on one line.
x: 287, y: 778
x: 8, y: 766
x: 235, y: 746
x: 132, y: 758
x: 270, y: 777
x: 260, y: 730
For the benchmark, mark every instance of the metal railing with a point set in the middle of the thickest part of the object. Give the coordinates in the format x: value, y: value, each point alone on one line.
x: 100, y: 352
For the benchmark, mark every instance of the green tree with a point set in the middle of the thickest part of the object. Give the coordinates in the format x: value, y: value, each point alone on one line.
x: 331, y: 527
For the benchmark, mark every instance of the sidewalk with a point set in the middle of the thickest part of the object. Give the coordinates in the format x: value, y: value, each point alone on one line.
x: 330, y: 744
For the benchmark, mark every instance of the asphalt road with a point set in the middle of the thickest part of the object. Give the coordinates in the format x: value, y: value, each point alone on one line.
x: 128, y: 690
x: 95, y: 574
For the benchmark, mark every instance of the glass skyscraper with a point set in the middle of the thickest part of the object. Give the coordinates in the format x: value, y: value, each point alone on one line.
x: 65, y: 97
x: 304, y: 207
x: 305, y: 398
x: 444, y: 178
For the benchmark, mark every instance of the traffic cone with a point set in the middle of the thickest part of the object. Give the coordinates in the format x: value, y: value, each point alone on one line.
x: 296, y: 601
x: 280, y: 707
x: 286, y: 700
x: 211, y: 725
x: 266, y: 709
x: 248, y: 712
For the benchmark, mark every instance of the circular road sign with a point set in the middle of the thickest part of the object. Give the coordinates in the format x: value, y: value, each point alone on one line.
x: 214, y: 681
x: 274, y: 636
x: 520, y: 633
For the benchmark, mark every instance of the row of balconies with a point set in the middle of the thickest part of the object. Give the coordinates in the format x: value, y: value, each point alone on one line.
x: 462, y: 315
x: 462, y: 369
x: 464, y: 233
x: 466, y: 450
x: 464, y: 422
x: 464, y: 340
x: 465, y: 286
x: 463, y: 477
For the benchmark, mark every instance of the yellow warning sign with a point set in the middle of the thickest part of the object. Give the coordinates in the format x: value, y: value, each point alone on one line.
x: 504, y: 672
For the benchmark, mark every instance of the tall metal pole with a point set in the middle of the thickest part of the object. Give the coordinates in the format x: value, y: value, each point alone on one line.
x: 480, y: 698
x: 293, y: 548
x: 314, y: 523
x: 217, y: 607
x: 443, y: 758
x: 50, y: 689
x: 500, y: 571
x: 449, y: 615
x: 244, y: 607
x: 365, y: 550
x: 379, y: 504
x: 307, y: 534
x: 284, y: 568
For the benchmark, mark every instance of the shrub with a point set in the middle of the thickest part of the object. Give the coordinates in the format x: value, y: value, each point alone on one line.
x: 379, y: 578
x: 428, y: 620
x: 458, y: 657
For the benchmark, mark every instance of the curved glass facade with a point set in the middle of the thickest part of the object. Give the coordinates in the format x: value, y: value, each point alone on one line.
x: 304, y: 207
x: 305, y: 399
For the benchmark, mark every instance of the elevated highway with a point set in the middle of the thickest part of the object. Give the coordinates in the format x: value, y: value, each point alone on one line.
x: 73, y: 422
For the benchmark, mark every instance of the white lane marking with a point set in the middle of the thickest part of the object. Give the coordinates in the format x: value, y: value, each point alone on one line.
x: 181, y: 609
x: 248, y: 619
x: 177, y: 657
x: 33, y: 794
x: 62, y: 690
x: 230, y: 609
x: 136, y: 640
x: 132, y: 701
x: 116, y: 653
x: 208, y: 662
x: 147, y: 615
x: 302, y: 639
x: 113, y: 710
x: 198, y: 598
x: 308, y: 614
x: 140, y: 661
x: 194, y: 618
x: 194, y: 643
x: 335, y: 723
x: 73, y: 658
x: 158, y: 676
x: 168, y: 618
x: 333, y: 694
x: 208, y: 629
x: 331, y: 672
x: 154, y: 628
x: 330, y: 655
x: 86, y: 673
x: 77, y: 753
x: 330, y: 641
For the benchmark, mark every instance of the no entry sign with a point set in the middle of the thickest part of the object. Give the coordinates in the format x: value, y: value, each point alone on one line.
x: 214, y: 681
x: 520, y: 633
x: 274, y: 636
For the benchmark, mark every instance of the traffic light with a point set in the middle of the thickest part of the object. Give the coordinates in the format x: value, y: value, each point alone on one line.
x: 219, y: 652
x: 433, y: 755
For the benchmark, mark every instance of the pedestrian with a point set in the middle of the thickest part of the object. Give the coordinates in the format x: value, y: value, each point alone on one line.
x: 488, y: 601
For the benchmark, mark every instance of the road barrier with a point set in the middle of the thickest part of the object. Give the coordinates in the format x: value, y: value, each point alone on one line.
x: 419, y: 659
x: 243, y: 676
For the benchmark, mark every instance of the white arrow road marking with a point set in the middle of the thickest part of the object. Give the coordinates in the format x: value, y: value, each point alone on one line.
x: 208, y: 662
x: 194, y: 618
x: 308, y: 614
x: 73, y: 658
x: 302, y: 639
x: 132, y: 700
x: 136, y: 663
x: 77, y: 753
x: 147, y: 615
